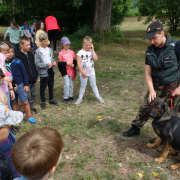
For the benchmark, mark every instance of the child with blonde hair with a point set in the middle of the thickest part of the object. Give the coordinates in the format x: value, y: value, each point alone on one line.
x: 37, y: 153
x: 7, y: 81
x: 85, y: 61
x: 7, y: 139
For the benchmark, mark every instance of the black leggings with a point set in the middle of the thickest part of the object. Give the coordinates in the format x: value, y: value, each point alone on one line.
x: 53, y: 35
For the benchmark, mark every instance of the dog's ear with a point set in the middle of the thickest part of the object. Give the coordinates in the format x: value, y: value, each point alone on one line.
x: 168, y: 95
x: 166, y: 107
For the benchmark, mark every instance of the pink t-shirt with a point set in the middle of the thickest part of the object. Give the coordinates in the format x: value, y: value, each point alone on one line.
x: 67, y: 57
x: 4, y: 85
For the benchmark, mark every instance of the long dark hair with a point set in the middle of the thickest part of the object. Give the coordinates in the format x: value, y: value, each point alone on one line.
x: 38, y: 25
x: 13, y: 21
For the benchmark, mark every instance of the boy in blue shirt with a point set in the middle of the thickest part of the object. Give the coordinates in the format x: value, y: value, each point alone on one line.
x: 21, y: 79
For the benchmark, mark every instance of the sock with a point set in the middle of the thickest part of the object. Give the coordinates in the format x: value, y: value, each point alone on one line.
x: 28, y: 117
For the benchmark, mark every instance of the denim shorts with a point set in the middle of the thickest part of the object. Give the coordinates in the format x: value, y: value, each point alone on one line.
x: 21, y: 94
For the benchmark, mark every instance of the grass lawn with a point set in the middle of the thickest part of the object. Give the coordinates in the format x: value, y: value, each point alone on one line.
x: 92, y: 133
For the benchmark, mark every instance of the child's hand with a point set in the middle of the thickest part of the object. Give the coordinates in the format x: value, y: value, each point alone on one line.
x: 54, y: 63
x: 6, y: 109
x: 15, y: 88
x: 68, y: 63
x: 50, y: 65
x: 72, y: 65
x: 12, y: 95
x: 84, y: 75
x: 92, y: 47
x: 26, y: 88
x: 4, y: 39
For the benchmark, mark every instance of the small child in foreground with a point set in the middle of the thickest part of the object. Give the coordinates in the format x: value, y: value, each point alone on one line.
x: 37, y: 153
x: 7, y: 119
x: 85, y: 62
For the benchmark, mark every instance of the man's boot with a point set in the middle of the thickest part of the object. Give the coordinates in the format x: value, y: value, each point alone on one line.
x: 132, y: 132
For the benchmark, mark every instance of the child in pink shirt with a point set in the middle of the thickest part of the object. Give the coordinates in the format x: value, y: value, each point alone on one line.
x: 67, y: 59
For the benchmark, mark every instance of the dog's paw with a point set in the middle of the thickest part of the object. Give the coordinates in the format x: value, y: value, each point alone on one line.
x: 159, y: 149
x: 159, y: 160
x: 149, y: 145
x: 175, y: 166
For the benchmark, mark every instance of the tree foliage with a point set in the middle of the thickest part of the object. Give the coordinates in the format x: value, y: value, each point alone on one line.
x: 71, y: 14
x: 166, y: 11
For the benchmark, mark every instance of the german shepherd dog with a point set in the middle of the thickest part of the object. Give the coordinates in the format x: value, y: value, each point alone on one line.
x: 166, y: 125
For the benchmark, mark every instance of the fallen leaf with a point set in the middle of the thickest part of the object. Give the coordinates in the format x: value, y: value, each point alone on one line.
x: 99, y: 117
x: 120, y: 165
x: 160, y: 168
x: 75, y: 141
x: 140, y: 175
x: 67, y: 157
x: 155, y: 174
x: 79, y: 105
x: 59, y: 109
x: 123, y: 171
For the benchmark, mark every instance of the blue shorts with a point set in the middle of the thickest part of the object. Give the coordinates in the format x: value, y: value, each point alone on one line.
x: 21, y: 94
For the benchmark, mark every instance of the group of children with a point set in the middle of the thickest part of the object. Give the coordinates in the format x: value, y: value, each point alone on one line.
x: 30, y: 158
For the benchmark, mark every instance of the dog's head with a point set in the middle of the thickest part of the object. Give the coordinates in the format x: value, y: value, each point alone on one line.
x: 159, y: 107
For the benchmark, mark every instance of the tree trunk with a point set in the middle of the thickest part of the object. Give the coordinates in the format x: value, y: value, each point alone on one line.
x: 102, y: 16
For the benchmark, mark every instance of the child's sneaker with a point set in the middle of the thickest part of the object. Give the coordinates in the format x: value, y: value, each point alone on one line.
x: 43, y: 105
x: 32, y: 120
x: 66, y: 101
x: 52, y: 101
x: 79, y: 101
x: 34, y: 111
x: 100, y: 100
x: 71, y: 99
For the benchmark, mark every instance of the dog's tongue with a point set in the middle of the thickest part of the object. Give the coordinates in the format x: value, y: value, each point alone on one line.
x: 150, y: 118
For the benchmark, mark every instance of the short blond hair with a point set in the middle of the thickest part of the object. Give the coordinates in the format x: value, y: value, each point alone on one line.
x: 87, y: 39
x: 4, y: 47
x: 36, y: 152
x: 3, y: 98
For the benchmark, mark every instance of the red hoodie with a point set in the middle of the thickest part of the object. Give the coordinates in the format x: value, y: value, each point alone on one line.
x: 51, y: 23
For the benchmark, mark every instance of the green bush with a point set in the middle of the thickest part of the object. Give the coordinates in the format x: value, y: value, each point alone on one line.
x: 133, y: 12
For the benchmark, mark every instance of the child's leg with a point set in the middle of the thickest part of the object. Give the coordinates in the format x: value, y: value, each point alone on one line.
x: 92, y: 80
x: 66, y: 86
x: 32, y: 94
x: 51, y: 84
x: 8, y: 101
x: 71, y: 86
x: 16, y: 106
x: 26, y: 108
x: 43, y: 84
x: 83, y: 86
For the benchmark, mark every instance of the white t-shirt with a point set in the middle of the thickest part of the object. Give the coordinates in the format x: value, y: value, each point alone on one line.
x: 87, y: 62
x: 46, y: 55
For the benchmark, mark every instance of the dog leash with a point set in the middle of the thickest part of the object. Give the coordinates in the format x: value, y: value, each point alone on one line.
x: 171, y: 98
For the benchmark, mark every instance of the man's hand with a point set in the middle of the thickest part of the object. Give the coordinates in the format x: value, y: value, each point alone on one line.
x: 176, y: 92
x: 152, y: 96
x: 26, y: 88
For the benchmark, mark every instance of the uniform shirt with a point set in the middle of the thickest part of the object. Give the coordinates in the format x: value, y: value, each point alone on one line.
x: 158, y: 50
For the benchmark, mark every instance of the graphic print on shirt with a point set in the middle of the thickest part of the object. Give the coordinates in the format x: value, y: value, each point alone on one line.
x: 85, y: 59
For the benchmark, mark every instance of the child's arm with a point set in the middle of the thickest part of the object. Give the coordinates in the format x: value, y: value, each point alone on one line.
x: 84, y: 75
x: 95, y: 57
x: 6, y: 33
x: 11, y: 91
x: 24, y: 76
x: 4, y: 132
x: 39, y: 63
